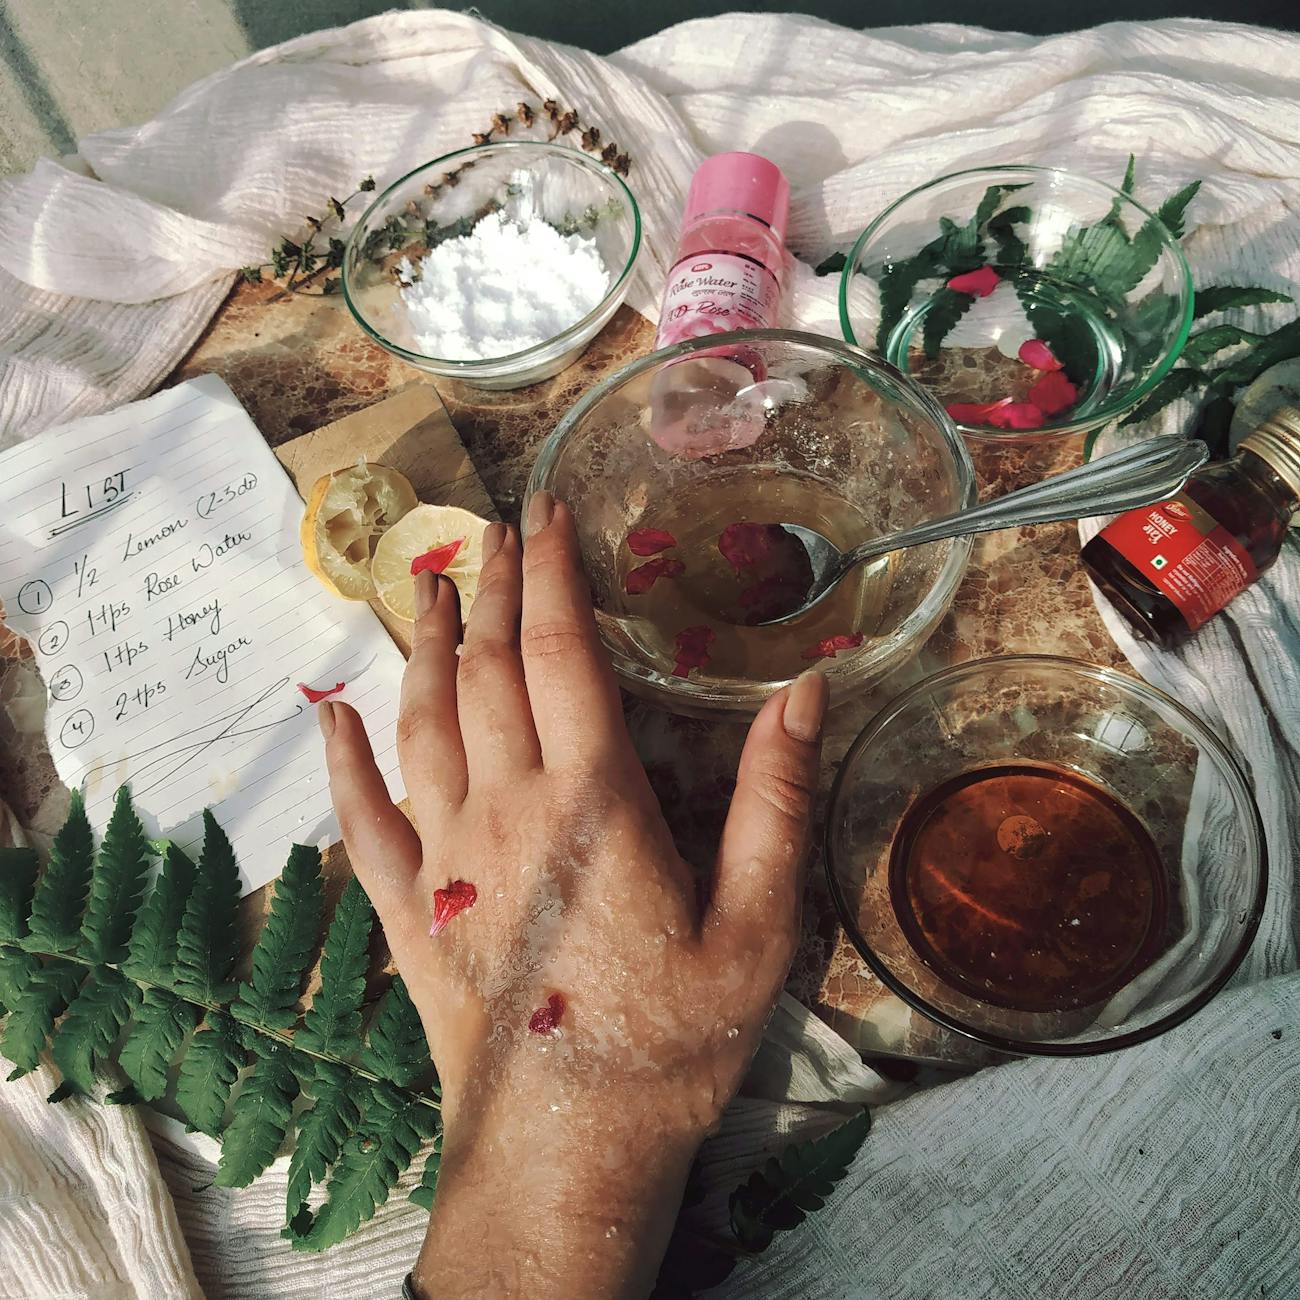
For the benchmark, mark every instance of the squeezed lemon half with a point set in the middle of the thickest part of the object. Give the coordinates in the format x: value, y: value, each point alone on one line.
x: 421, y: 530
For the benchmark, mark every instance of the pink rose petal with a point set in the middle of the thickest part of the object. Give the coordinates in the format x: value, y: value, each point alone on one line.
x: 649, y: 541
x: 1036, y: 353
x: 1053, y: 393
x: 1017, y: 415
x: 975, y: 413
x: 642, y: 578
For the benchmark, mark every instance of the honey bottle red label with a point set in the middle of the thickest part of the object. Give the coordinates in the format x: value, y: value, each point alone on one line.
x: 1186, y: 554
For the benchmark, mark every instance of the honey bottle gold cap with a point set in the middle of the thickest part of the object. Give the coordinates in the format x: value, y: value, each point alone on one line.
x: 1277, y: 441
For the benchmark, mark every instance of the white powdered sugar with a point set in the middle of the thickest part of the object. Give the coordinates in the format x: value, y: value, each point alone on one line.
x: 513, y: 282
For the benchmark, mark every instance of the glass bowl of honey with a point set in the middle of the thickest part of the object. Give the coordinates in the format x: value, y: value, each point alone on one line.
x: 686, y: 554
x: 1046, y: 856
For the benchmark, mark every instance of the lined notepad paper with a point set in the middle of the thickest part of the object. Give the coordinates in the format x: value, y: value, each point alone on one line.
x: 151, y: 556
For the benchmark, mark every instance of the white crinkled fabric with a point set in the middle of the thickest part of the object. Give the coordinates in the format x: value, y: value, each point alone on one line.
x: 1167, y: 1172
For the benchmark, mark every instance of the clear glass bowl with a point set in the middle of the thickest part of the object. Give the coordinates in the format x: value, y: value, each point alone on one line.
x: 848, y: 446
x: 1153, y: 756
x: 1080, y: 266
x: 569, y: 190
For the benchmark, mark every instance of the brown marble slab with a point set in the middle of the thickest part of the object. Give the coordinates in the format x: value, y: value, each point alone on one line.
x: 298, y: 363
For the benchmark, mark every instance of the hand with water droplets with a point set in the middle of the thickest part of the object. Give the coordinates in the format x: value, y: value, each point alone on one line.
x: 590, y: 1008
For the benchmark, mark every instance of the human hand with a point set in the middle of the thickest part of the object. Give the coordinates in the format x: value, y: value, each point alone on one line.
x: 566, y: 1146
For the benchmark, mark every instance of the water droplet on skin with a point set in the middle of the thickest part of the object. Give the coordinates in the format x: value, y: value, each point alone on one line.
x: 611, y: 1231
x: 733, y: 1032
x: 554, y: 1108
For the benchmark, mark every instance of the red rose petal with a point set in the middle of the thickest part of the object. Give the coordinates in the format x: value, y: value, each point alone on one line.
x: 436, y: 560
x: 315, y: 697
x: 981, y: 282
x: 832, y: 645
x: 975, y: 413
x: 450, y: 902
x: 1053, y: 393
x: 745, y: 545
x: 546, y: 1019
x: 1036, y: 353
x: 692, y: 648
x: 1018, y: 415
x: 642, y: 578
x: 649, y: 541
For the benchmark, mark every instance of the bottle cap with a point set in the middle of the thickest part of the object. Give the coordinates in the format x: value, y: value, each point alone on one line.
x: 740, y: 182
x: 1277, y: 441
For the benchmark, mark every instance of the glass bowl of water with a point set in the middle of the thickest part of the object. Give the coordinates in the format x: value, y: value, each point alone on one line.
x: 468, y: 315
x: 1045, y: 856
x: 684, y: 554
x: 1033, y: 303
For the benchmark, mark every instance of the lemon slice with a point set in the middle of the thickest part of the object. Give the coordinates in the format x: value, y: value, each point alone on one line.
x: 417, y: 533
x: 347, y: 512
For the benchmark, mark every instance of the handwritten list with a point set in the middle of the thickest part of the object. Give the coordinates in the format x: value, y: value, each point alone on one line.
x: 151, y: 556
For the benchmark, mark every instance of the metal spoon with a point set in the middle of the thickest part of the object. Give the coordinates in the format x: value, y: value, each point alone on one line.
x: 1134, y: 476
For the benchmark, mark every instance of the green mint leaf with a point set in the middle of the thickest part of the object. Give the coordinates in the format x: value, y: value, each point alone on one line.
x: 284, y: 949
x: 788, y: 1188
x: 1176, y: 384
x: 259, y: 1118
x: 207, y: 945
x: 157, y: 1030
x: 60, y: 894
x: 332, y: 1025
x: 117, y: 884
x: 151, y: 954
x: 1228, y: 297
x: 94, y: 1019
x: 208, y: 1071
x: 322, y: 1130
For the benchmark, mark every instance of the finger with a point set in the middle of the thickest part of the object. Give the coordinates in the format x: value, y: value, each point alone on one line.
x: 765, y: 840
x: 382, y: 845
x: 495, y: 717
x: 429, y: 745
x: 576, y: 706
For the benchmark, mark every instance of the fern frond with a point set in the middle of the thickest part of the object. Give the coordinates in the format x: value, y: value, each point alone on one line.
x: 208, y: 1071
x: 332, y: 1024
x: 788, y: 1188
x: 1172, y: 210
x: 259, y: 1118
x: 158, y: 1029
x: 18, y: 871
x: 946, y: 308
x: 117, y: 884
x: 37, y: 1005
x: 95, y: 1018
x: 151, y: 954
x: 322, y: 1131
x: 1230, y: 297
x: 286, y: 944
x: 368, y: 1168
x: 207, y: 944
x: 60, y: 895
x: 396, y: 1048
x: 16, y: 968
x: 427, y: 1189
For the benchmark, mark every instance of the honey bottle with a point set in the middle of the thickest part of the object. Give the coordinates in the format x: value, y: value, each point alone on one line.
x: 1170, y: 567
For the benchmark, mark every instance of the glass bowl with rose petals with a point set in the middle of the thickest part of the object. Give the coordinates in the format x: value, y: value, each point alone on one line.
x: 682, y: 547
x: 1033, y: 303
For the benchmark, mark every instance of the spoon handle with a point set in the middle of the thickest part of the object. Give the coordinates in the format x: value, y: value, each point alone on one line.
x: 1133, y: 476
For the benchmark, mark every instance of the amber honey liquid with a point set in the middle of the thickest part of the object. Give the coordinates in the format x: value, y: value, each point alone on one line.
x: 712, y: 590
x: 1027, y: 886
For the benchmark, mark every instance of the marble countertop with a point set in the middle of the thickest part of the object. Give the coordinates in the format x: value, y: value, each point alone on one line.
x: 297, y: 362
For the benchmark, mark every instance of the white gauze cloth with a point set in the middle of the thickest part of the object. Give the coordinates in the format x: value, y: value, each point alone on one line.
x: 1169, y: 1171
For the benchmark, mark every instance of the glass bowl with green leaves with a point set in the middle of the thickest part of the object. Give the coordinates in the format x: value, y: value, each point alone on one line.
x: 546, y: 296
x: 1033, y: 303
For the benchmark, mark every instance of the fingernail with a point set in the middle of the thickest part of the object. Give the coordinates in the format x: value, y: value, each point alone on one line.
x: 325, y: 716
x: 426, y: 592
x: 540, y: 510
x: 805, y: 706
x: 494, y: 535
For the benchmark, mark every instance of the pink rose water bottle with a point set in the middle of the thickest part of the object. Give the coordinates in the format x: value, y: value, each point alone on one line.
x: 727, y: 274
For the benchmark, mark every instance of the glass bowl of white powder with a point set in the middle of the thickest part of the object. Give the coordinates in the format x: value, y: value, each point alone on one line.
x: 495, y: 265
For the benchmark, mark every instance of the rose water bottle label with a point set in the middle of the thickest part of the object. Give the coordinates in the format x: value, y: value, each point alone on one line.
x: 1186, y: 554
x: 711, y: 293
